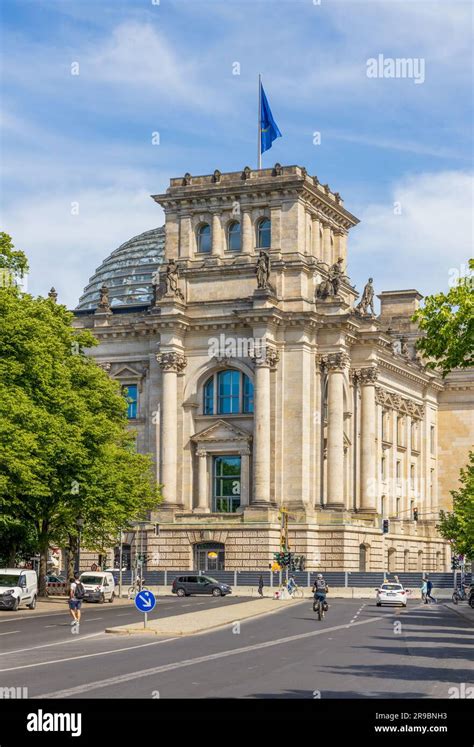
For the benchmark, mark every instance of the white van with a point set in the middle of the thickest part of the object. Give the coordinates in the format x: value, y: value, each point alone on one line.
x: 18, y: 586
x: 99, y: 586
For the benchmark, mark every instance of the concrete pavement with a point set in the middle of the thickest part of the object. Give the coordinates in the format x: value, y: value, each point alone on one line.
x: 205, y: 620
x: 358, y: 650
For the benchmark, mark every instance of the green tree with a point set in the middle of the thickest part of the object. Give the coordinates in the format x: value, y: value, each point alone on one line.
x: 65, y: 448
x: 457, y: 525
x: 447, y: 319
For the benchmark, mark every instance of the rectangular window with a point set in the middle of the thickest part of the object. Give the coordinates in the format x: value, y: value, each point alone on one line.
x: 399, y: 471
x: 400, y: 423
x: 226, y: 484
x: 414, y: 439
x: 383, y: 468
x: 131, y: 395
x: 432, y: 439
x: 385, y: 432
x: 412, y: 476
x: 398, y: 507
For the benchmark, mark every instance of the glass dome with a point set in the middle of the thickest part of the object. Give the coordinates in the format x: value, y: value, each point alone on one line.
x: 127, y: 272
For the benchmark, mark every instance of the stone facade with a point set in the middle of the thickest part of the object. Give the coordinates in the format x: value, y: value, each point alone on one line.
x: 328, y: 412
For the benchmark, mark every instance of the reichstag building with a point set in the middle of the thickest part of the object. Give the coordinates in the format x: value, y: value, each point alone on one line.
x: 259, y: 378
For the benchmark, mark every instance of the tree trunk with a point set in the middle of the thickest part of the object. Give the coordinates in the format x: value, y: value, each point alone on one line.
x: 71, y: 554
x: 43, y: 542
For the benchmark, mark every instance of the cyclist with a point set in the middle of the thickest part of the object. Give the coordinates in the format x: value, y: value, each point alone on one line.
x: 320, y: 589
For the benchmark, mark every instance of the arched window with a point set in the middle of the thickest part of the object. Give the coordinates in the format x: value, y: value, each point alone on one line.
x: 363, y: 557
x: 233, y: 237
x: 264, y: 234
x: 228, y: 392
x: 204, y: 238
x: 406, y: 561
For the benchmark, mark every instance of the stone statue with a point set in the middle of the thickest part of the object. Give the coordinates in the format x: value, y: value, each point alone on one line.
x: 367, y: 299
x: 104, y: 304
x: 324, y: 289
x: 335, y: 275
x: 53, y: 295
x: 262, y: 270
x: 171, y: 280
x: 404, y: 347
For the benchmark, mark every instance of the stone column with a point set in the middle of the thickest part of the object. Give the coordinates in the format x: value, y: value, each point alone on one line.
x: 315, y: 239
x: 261, y: 443
x: 327, y: 250
x: 171, y: 364
x: 247, y: 239
x: 185, y: 236
x: 340, y: 248
x: 368, y: 491
x: 216, y: 248
x: 336, y: 364
x: 203, y: 496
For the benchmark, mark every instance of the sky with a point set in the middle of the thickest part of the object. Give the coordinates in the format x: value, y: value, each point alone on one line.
x: 85, y: 84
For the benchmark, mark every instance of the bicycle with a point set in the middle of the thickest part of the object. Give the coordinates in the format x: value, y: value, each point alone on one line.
x: 459, y: 595
x: 297, y: 592
x: 136, y: 588
x: 320, y: 607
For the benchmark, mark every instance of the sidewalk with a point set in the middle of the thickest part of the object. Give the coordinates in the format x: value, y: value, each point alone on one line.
x: 57, y: 604
x: 463, y: 609
x: 205, y: 620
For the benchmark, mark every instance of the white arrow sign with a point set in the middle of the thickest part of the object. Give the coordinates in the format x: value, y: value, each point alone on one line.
x: 145, y: 601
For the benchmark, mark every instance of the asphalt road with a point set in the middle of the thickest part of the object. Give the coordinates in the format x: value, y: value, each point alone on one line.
x: 358, y: 650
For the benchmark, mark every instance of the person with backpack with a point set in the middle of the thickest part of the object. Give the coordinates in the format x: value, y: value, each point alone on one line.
x: 320, y: 589
x: 76, y: 595
x: 429, y: 587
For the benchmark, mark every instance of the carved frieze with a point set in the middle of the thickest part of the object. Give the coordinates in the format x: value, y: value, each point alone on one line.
x: 403, y: 405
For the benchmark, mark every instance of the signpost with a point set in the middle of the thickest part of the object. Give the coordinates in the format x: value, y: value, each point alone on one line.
x: 145, y: 601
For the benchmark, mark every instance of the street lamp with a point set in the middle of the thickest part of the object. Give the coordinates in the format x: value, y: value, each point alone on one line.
x: 79, y: 524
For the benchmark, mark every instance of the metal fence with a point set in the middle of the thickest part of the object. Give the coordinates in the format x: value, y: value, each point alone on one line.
x: 349, y: 579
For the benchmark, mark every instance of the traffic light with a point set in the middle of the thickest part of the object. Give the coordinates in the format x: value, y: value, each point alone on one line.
x: 415, y: 514
x: 455, y: 564
x: 385, y: 526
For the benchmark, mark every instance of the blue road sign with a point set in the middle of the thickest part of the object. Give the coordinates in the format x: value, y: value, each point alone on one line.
x: 145, y: 601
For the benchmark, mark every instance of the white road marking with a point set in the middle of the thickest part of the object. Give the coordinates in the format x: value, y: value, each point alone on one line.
x: 10, y: 632
x: 89, y: 619
x: 175, y: 665
x: 73, y: 639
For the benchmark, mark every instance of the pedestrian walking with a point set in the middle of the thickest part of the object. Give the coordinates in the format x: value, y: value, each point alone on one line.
x: 429, y: 586
x: 424, y: 591
x: 260, y: 585
x: 76, y: 595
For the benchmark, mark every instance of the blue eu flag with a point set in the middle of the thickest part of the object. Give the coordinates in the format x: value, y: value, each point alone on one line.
x: 268, y: 127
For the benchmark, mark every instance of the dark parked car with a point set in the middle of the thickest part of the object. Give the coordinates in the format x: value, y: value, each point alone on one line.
x: 183, y: 586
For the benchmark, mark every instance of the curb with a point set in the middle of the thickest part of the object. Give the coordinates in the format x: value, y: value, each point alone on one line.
x: 466, y: 616
x: 198, y: 631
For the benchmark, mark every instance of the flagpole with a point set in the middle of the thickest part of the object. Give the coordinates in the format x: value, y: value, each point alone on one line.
x: 259, y: 143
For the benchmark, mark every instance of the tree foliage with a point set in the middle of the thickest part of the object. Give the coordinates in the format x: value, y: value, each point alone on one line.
x: 65, y: 448
x: 448, y: 322
x: 457, y: 525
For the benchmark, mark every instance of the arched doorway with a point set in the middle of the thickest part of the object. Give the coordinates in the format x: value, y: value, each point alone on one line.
x: 209, y: 556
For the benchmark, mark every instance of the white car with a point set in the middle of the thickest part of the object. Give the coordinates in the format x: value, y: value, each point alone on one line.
x: 18, y: 586
x: 391, y: 593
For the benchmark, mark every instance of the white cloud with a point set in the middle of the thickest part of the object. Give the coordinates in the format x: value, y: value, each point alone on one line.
x: 417, y: 247
x: 65, y: 249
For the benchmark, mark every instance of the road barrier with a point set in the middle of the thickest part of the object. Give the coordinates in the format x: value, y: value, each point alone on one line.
x: 341, y: 579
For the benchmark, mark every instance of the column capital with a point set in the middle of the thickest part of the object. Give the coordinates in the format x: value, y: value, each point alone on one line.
x: 335, y: 361
x: 172, y: 361
x: 201, y: 452
x: 268, y: 358
x: 368, y: 375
